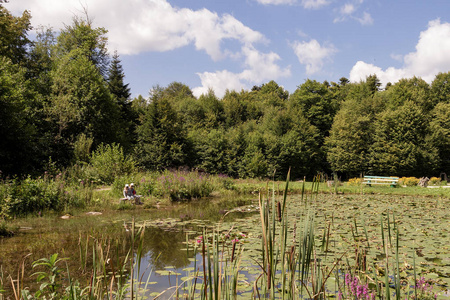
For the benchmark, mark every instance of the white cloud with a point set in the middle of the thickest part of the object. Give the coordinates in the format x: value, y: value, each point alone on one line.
x: 366, y: 19
x: 259, y: 67
x: 430, y: 58
x: 314, y: 4
x: 312, y: 54
x: 156, y: 25
x: 219, y: 81
x: 150, y: 25
x: 397, y: 57
x: 276, y: 2
x: 350, y: 11
x: 308, y: 4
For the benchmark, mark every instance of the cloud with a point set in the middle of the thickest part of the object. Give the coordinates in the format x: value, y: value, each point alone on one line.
x: 259, y: 67
x: 150, y: 25
x: 218, y: 81
x: 308, y: 4
x: 349, y: 11
x: 276, y: 2
x: 366, y: 19
x: 430, y: 58
x: 312, y: 54
x: 314, y: 4
x: 156, y: 25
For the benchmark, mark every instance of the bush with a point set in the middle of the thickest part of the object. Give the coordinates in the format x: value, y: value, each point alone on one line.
x: 434, y: 181
x: 179, y: 186
x: 355, y: 181
x: 409, y: 181
x: 110, y: 162
x: 41, y: 194
x: 5, y: 230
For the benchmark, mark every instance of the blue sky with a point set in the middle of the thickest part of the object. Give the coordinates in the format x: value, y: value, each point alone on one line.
x: 236, y: 44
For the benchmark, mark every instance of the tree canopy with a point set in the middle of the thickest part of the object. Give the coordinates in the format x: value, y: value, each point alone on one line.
x: 63, y: 95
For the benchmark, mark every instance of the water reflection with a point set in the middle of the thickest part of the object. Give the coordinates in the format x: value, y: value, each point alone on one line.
x: 75, y: 239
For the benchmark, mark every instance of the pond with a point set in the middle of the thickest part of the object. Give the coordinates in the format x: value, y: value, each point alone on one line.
x: 345, y: 226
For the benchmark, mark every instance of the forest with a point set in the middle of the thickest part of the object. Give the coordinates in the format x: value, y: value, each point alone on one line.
x: 64, y: 102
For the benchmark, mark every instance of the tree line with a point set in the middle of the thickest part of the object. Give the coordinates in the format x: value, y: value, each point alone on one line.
x: 62, y: 96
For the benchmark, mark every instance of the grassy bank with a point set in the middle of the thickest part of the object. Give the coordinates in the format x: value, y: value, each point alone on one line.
x: 69, y: 193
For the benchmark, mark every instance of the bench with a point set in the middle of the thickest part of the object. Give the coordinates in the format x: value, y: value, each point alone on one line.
x: 124, y: 200
x: 136, y: 200
x: 369, y: 180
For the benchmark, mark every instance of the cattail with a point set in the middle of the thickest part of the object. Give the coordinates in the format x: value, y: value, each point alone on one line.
x: 233, y: 250
x: 279, y: 211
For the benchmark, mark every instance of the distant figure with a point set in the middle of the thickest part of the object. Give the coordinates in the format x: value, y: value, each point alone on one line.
x: 137, y: 198
x: 126, y: 191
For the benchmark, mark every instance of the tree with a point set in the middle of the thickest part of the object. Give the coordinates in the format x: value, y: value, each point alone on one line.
x: 213, y: 108
x: 81, y: 103
x: 414, y: 90
x: 14, y: 41
x: 235, y: 110
x: 87, y: 41
x: 162, y: 139
x: 212, y: 149
x: 121, y: 95
x: 440, y: 135
x: 317, y: 103
x: 17, y: 130
x: 352, y: 132
x: 401, y: 146
x: 440, y: 88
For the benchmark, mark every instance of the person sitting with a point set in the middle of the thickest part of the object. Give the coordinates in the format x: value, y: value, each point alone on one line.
x: 137, y: 198
x: 126, y: 191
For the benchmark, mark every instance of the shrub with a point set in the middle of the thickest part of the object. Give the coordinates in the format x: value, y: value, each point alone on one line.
x: 110, y: 162
x: 434, y: 181
x: 355, y: 181
x: 409, y: 181
x: 5, y: 230
x: 180, y: 185
x: 32, y: 195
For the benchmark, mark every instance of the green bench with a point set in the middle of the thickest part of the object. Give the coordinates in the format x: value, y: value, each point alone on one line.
x: 369, y: 180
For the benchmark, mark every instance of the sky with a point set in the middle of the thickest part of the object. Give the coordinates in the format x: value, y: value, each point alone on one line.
x: 237, y: 44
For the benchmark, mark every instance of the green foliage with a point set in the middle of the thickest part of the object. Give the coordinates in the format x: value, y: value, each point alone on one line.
x: 22, y: 197
x: 120, y: 92
x: 401, y: 145
x: 162, y: 139
x: 440, y: 134
x: 81, y: 102
x: 440, y: 88
x: 50, y: 279
x: 14, y: 40
x: 17, y: 130
x: 5, y: 231
x: 61, y: 95
x: 318, y: 104
x: 87, y: 41
x: 181, y: 186
x: 82, y: 148
x: 109, y: 162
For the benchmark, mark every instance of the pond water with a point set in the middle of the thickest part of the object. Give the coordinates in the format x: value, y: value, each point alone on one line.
x: 75, y: 237
x: 346, y: 222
